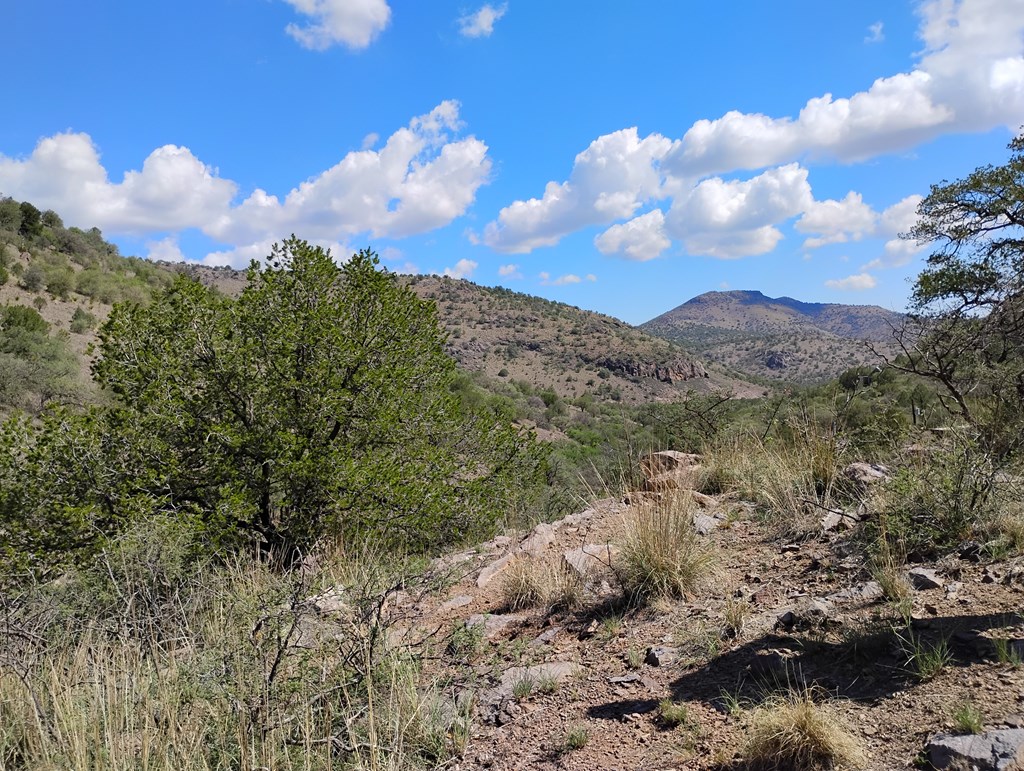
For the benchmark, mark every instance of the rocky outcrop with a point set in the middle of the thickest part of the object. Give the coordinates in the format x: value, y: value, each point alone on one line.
x: 775, y: 359
x: 675, y: 371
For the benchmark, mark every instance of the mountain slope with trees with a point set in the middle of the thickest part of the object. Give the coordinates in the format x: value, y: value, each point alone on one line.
x: 778, y: 338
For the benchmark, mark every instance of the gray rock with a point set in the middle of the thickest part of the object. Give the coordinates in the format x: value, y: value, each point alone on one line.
x: 493, y: 569
x: 809, y: 612
x: 539, y: 539
x: 866, y: 592
x: 704, y: 524
x: 1001, y: 750
x: 459, y: 601
x: 866, y: 473
x: 924, y: 578
x: 590, y: 558
x: 661, y: 655
x: 545, y: 637
x: 492, y: 625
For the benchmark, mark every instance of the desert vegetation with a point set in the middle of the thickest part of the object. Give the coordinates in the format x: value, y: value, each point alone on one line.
x: 279, y: 528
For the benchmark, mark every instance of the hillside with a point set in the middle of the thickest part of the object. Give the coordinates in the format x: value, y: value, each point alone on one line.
x: 777, y: 338
x: 515, y: 337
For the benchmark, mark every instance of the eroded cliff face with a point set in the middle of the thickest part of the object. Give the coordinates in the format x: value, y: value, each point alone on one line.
x: 674, y: 371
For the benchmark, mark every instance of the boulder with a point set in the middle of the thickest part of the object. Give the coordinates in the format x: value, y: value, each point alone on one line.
x: 924, y: 578
x: 661, y: 655
x: 866, y: 473
x: 667, y: 460
x: 493, y: 569
x: 539, y: 539
x: 1001, y: 750
x: 590, y: 558
x: 492, y: 625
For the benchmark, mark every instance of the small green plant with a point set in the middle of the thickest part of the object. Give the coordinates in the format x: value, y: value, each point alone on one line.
x: 576, y: 738
x: 634, y: 657
x: 610, y: 628
x: 735, y: 613
x: 968, y: 718
x: 673, y: 714
x: 1007, y: 652
x: 731, y: 703
x: 522, y: 688
x: 547, y: 684
x: 466, y: 640
x: 926, y: 660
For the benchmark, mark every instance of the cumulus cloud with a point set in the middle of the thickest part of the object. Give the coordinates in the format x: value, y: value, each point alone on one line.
x: 481, y: 23
x: 353, y: 23
x: 730, y: 219
x: 421, y: 179
x: 969, y: 78
x: 463, y: 269
x: 855, y: 283
x: 164, y: 250
x: 642, y: 238
x: 610, y: 180
x: 568, y: 278
x: 876, y: 33
x: 174, y: 190
x: 836, y: 222
x: 510, y: 271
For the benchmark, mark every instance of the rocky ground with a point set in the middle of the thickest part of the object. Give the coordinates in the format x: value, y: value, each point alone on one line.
x: 580, y: 688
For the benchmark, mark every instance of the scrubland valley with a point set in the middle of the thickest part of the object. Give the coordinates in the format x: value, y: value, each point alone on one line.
x: 318, y: 516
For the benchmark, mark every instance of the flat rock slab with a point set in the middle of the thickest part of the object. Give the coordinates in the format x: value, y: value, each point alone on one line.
x: 704, y: 524
x: 1001, y: 750
x: 459, y: 601
x: 866, y: 592
x: 924, y: 579
x: 559, y: 671
x: 590, y: 558
x: 493, y: 569
x: 492, y: 625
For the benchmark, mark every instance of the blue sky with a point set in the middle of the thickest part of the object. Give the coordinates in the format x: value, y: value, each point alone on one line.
x: 622, y: 157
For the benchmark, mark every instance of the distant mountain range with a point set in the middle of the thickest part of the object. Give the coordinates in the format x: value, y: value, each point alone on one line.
x: 777, y: 338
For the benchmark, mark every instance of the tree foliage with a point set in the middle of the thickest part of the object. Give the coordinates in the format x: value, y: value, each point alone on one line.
x: 967, y: 330
x: 316, y: 405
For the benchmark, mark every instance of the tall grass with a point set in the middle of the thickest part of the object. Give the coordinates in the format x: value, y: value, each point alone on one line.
x: 662, y: 555
x: 210, y: 666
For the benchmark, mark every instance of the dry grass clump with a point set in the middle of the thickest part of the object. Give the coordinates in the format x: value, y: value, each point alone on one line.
x: 534, y: 582
x: 226, y: 666
x: 793, y: 481
x: 662, y: 555
x: 796, y: 734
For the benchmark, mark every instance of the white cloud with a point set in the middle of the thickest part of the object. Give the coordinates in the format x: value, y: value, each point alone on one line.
x: 164, y: 250
x: 421, y: 179
x: 353, y: 23
x: 876, y: 33
x: 481, y: 23
x: 463, y: 269
x: 510, y: 271
x: 855, y: 283
x: 969, y: 78
x: 174, y: 190
x: 610, y: 180
x: 737, y: 218
x: 641, y: 238
x: 568, y: 278
x: 590, y: 277
x: 898, y: 218
x: 837, y: 222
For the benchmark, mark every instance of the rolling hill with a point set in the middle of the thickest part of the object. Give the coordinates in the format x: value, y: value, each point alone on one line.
x: 779, y: 339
